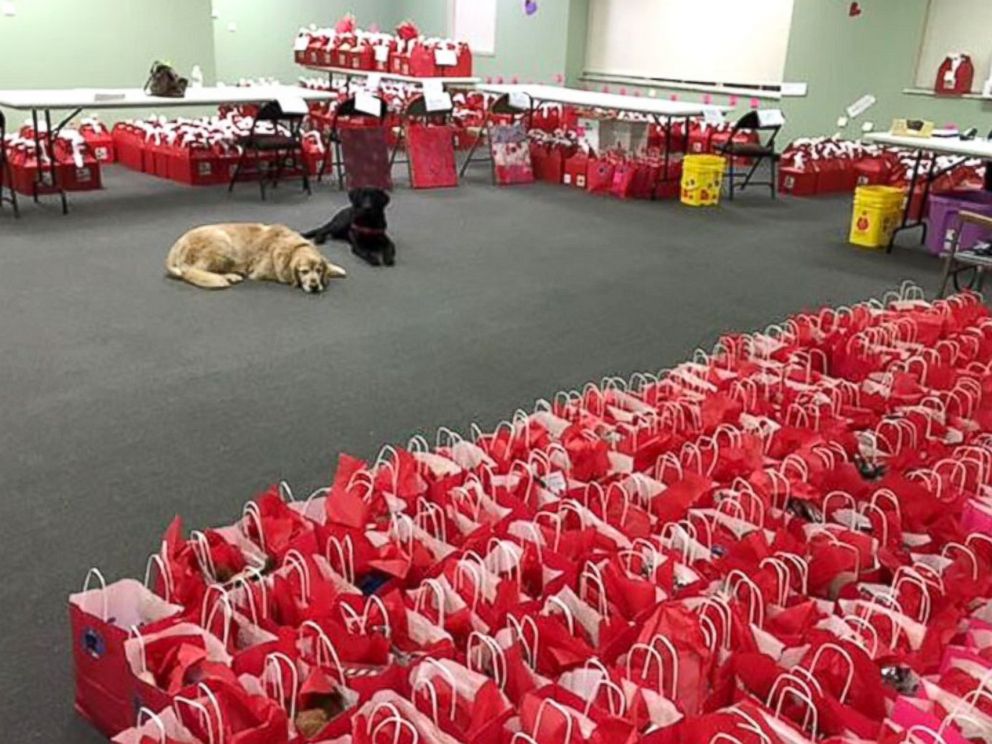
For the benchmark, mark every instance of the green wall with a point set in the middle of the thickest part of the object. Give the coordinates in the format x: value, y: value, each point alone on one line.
x: 262, y: 45
x: 843, y: 58
x: 101, y: 43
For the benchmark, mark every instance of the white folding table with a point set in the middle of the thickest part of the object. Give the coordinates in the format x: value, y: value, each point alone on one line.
x: 75, y: 100
x: 961, y: 150
x: 662, y: 111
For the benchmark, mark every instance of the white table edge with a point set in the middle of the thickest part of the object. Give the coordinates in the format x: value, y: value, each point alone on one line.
x: 393, y: 75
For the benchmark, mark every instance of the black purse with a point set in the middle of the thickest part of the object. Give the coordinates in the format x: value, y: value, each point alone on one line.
x: 165, y: 82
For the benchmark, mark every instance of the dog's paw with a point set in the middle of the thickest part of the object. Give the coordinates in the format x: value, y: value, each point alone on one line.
x: 389, y: 260
x: 234, y: 278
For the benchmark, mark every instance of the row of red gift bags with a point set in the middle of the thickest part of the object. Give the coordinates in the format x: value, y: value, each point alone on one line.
x: 826, y: 165
x: 405, y: 52
x: 785, y: 540
x: 76, y: 167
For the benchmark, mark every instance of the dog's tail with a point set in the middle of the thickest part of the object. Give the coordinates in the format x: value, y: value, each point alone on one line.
x: 198, y: 277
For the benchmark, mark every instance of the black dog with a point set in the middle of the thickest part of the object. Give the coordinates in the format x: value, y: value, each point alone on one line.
x: 363, y: 225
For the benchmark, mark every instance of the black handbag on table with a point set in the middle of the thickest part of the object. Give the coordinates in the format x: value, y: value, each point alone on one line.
x: 165, y: 82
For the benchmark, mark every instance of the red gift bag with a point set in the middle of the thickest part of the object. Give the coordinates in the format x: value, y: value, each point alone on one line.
x: 366, y: 157
x: 101, y: 621
x: 431, y: 151
x: 576, y: 169
x: 511, y: 154
x: 599, y: 177
x: 548, y: 162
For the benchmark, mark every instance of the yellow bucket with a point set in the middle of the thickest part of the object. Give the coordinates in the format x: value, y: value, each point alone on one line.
x: 702, y: 178
x: 877, y: 210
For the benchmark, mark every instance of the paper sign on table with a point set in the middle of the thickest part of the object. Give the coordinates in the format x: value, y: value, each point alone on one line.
x: 291, y: 104
x: 770, y: 118
x: 519, y: 99
x: 436, y: 98
x: 368, y: 103
x: 713, y: 116
x: 381, y: 53
x: 445, y: 57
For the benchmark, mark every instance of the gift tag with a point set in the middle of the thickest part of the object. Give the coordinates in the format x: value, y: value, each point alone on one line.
x: 436, y: 98
x: 519, y: 100
x: 291, y: 104
x: 445, y: 57
x: 368, y: 103
x: 302, y: 42
x: 381, y: 53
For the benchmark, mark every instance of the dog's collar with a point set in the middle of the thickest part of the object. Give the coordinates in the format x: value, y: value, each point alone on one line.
x: 363, y: 230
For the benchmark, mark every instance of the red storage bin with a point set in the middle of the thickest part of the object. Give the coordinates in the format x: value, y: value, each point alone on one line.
x: 798, y: 181
x: 576, y: 169
x: 196, y: 164
x: 700, y: 139
x: 548, y: 163
x: 99, y: 139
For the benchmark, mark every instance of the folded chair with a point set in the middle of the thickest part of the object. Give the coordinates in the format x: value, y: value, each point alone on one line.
x: 502, y: 106
x: 967, y: 269
x: 333, y: 150
x: 765, y: 125
x: 275, y: 139
x: 6, y: 176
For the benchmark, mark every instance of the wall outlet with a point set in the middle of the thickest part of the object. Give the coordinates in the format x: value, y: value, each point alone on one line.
x: 232, y: 27
x: 868, y: 126
x: 8, y: 8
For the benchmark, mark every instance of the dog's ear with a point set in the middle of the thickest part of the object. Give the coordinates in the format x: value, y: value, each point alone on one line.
x: 380, y: 198
x: 333, y: 272
x: 355, y: 197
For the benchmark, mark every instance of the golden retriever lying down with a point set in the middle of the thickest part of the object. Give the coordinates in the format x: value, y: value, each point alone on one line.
x: 219, y: 256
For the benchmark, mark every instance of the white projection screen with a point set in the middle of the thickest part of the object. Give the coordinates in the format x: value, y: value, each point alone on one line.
x: 714, y: 41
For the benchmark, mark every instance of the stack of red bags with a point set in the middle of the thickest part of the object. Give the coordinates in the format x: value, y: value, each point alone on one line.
x: 75, y: 164
x: 405, y: 52
x: 786, y: 541
x: 825, y: 165
x: 196, y: 152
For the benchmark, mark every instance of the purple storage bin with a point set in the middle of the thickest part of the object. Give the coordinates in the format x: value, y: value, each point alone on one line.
x: 944, y: 209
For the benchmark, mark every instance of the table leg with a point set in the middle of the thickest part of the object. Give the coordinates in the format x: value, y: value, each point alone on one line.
x: 905, y: 225
x: 50, y: 135
x: 37, y: 151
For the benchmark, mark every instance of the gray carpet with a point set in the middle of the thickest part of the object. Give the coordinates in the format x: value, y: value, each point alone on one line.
x: 128, y: 397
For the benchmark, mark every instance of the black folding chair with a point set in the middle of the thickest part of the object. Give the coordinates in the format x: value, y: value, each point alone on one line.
x: 967, y: 269
x: 502, y: 106
x: 416, y: 111
x: 6, y: 176
x: 767, y: 124
x: 282, y: 137
x: 333, y: 148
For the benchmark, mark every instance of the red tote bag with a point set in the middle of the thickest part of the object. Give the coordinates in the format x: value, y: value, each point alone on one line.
x: 365, y: 151
x: 431, y: 149
x: 101, y: 621
x: 511, y: 154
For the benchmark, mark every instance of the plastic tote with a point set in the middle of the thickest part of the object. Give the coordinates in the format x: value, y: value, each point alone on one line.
x: 875, y: 216
x: 944, y: 210
x: 702, y: 177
